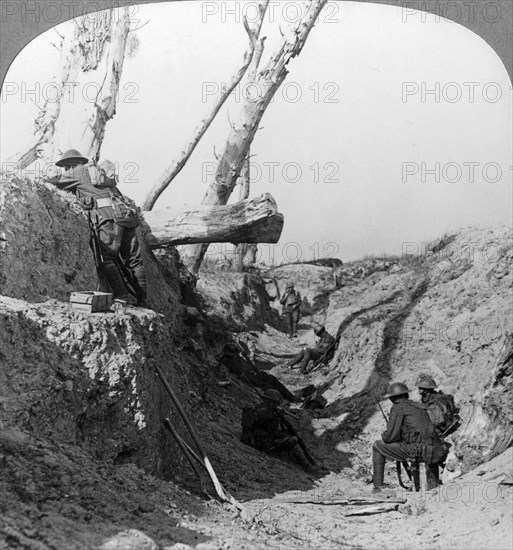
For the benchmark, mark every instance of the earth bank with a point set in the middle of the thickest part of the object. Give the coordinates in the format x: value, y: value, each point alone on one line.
x: 84, y: 453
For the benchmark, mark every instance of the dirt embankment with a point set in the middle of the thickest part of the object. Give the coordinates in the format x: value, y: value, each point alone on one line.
x: 82, y: 439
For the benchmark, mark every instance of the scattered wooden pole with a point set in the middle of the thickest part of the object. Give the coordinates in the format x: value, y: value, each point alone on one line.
x: 218, y: 487
x: 185, y: 450
x: 371, y: 510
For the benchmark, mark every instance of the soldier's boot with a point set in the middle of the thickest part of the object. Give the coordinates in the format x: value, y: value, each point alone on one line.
x: 140, y: 285
x: 378, y: 470
x: 303, y: 365
x: 115, y: 280
x: 298, y: 456
x: 304, y: 362
x: 294, y: 329
x: 295, y: 360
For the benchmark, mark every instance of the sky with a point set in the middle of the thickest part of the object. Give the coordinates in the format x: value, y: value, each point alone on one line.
x: 386, y: 132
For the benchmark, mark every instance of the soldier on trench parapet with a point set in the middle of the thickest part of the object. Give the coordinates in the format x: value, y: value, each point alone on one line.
x: 115, y: 222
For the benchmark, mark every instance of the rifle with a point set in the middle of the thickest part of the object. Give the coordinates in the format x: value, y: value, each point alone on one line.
x: 292, y: 431
x: 94, y: 243
x: 242, y: 351
x: 398, y: 463
x: 333, y: 346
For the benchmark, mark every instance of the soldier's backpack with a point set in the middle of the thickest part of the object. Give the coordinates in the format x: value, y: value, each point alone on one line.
x: 103, y: 175
x: 444, y: 413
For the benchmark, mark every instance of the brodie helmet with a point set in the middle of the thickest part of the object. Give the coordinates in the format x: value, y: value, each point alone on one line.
x: 70, y: 157
x: 397, y: 388
x: 426, y: 382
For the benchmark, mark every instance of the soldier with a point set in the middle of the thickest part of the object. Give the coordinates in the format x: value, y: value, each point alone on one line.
x: 410, y: 435
x: 440, y: 406
x: 325, y: 341
x: 291, y: 302
x: 95, y: 187
x: 265, y: 428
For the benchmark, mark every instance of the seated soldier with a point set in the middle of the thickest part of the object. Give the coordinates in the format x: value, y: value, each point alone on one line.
x: 410, y: 435
x: 116, y: 221
x: 440, y: 406
x: 265, y: 428
x: 325, y: 341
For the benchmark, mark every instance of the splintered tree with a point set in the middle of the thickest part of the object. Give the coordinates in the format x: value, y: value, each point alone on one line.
x: 92, y: 56
x: 253, y: 53
x: 246, y: 123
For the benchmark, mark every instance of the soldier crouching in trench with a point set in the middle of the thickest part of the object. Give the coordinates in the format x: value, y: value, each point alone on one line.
x: 410, y: 435
x: 265, y: 428
x: 96, y: 189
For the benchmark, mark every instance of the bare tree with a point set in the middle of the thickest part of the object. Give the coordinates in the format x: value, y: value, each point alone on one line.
x: 243, y: 129
x: 92, y: 56
x: 255, y: 46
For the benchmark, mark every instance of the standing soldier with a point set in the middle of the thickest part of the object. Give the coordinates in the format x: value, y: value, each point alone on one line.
x: 410, y: 435
x: 324, y: 343
x: 291, y: 302
x: 95, y: 187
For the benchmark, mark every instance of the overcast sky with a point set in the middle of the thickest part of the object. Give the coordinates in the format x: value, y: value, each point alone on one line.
x: 352, y: 146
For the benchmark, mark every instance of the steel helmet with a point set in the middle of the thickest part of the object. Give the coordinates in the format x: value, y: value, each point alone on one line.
x: 397, y: 388
x: 426, y: 382
x: 71, y: 155
x: 289, y: 285
x: 319, y: 330
x: 272, y: 395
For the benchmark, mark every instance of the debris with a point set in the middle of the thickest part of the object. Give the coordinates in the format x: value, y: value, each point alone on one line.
x: 345, y: 502
x: 371, y: 510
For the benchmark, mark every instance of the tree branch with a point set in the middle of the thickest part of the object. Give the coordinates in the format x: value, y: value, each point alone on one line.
x: 176, y: 166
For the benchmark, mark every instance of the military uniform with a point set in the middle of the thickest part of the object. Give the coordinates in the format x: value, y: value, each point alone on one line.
x: 440, y: 406
x: 291, y: 302
x: 410, y: 435
x: 113, y: 238
x: 325, y: 341
x: 265, y: 428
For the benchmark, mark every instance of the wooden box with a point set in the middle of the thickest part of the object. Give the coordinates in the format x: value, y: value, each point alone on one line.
x: 90, y: 301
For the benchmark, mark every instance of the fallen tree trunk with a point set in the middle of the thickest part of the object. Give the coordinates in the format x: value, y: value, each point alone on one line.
x: 250, y: 221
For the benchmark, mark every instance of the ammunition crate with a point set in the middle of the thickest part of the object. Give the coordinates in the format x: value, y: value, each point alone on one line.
x: 90, y: 301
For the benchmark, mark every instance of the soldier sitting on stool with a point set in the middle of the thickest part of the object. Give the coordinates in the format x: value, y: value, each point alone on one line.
x: 115, y: 232
x: 410, y: 435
